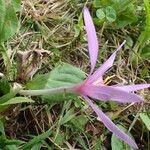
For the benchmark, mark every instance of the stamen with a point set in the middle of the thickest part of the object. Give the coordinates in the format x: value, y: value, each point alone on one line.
x: 107, y: 80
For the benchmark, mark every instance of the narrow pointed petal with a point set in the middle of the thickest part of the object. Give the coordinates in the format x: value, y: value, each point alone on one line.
x: 111, y: 126
x: 107, y: 93
x: 104, y: 67
x: 132, y: 88
x: 92, y: 38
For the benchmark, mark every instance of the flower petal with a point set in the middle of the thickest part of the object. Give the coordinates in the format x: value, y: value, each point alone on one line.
x: 104, y: 67
x: 111, y: 126
x: 92, y: 38
x: 110, y: 93
x: 132, y: 88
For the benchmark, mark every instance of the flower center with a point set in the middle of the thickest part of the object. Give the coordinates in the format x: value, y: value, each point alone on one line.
x: 101, y: 81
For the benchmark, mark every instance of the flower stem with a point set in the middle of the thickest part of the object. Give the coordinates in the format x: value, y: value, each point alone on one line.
x: 47, y: 91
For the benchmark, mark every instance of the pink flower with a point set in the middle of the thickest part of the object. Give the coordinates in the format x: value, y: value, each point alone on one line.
x: 94, y: 87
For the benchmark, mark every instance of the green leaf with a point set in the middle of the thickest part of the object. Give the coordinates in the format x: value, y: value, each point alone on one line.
x: 146, y: 119
x: 38, y: 82
x: 4, y: 86
x: 12, y: 142
x: 144, y: 72
x: 68, y: 116
x: 97, y: 3
x: 17, y: 100
x: 121, y: 5
x: 77, y: 30
x: 62, y: 75
x: 118, y: 144
x: 147, y: 27
x: 6, y: 143
x: 16, y: 5
x: 37, y: 140
x: 11, y: 147
x: 110, y: 14
x: 60, y: 139
x: 100, y: 14
x: 144, y: 36
x: 79, y: 122
x: 78, y: 27
x: 10, y: 21
x: 2, y: 14
x: 82, y: 142
x: 5, y: 98
x: 37, y: 146
x: 2, y: 131
x: 126, y: 17
x: 145, y: 52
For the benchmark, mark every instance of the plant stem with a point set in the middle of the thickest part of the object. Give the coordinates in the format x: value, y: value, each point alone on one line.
x: 48, y: 91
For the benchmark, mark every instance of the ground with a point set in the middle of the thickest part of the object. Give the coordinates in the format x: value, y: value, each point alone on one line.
x: 52, y: 32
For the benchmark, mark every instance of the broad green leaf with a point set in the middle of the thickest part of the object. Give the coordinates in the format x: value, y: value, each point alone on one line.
x: 16, y: 5
x: 146, y: 119
x: 118, y: 144
x: 62, y: 75
x: 10, y: 24
x: 38, y: 82
x: 17, y: 100
x: 100, y: 14
x: 2, y: 13
x: 110, y: 14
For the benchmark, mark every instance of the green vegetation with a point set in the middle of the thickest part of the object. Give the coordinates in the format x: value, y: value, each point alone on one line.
x: 42, y: 45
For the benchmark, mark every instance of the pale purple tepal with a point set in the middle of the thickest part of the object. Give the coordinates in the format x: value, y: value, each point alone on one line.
x: 94, y: 86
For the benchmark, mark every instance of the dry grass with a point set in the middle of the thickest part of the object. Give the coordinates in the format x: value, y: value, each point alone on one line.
x: 49, y: 25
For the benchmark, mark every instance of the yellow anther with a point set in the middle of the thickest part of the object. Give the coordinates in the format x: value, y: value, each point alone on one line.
x: 107, y: 80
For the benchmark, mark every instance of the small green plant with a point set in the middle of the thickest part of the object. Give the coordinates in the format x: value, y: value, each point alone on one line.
x: 46, y: 105
x: 118, y: 13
